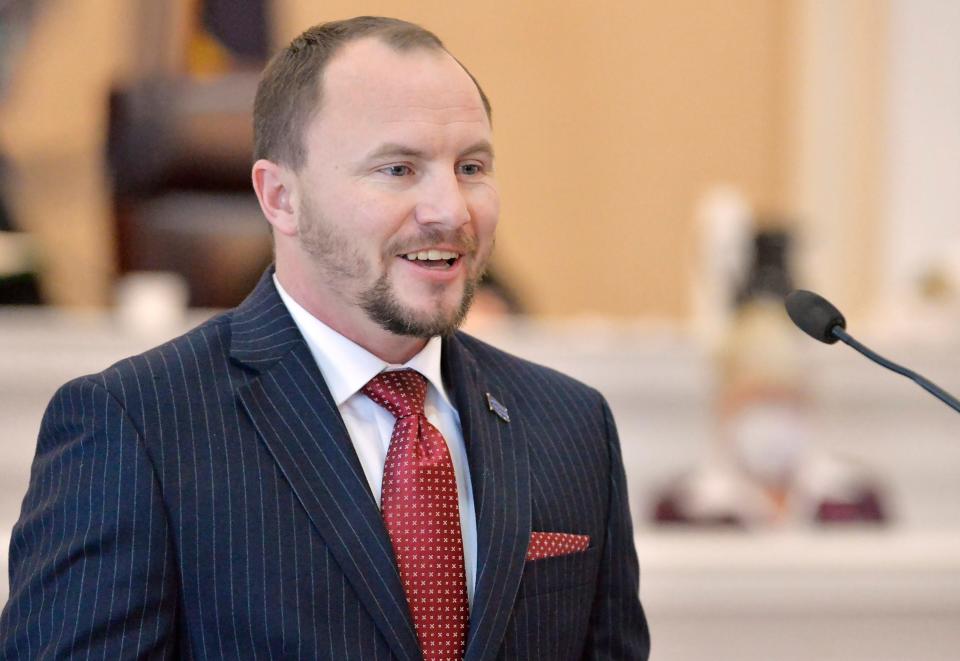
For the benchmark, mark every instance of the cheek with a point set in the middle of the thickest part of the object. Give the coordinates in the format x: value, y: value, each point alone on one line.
x: 485, y: 210
x: 379, y: 216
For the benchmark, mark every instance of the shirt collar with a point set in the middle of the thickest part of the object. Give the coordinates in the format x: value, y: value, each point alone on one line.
x: 345, y: 365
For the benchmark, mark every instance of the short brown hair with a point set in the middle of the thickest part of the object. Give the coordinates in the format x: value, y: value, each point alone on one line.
x: 289, y: 93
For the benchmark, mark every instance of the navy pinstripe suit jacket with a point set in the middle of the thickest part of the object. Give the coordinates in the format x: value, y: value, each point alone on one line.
x: 204, y: 500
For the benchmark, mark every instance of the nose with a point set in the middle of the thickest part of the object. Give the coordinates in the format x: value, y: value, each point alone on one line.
x: 442, y: 201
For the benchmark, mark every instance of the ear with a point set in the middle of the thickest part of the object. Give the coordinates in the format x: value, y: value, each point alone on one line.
x: 275, y: 187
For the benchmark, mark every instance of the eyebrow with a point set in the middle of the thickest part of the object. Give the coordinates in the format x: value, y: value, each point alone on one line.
x: 480, y: 146
x: 391, y: 149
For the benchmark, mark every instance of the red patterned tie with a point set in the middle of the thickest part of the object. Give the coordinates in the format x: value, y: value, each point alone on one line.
x: 422, y: 514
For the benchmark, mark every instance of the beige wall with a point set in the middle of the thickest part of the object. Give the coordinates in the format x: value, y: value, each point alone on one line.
x: 611, y: 119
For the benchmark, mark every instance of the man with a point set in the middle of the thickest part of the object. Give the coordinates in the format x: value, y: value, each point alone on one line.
x: 330, y: 470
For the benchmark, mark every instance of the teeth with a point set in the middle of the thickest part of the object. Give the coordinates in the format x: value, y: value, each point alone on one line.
x: 434, y: 255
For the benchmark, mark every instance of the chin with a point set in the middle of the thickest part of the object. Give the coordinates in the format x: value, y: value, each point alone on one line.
x: 417, y: 318
x: 434, y: 320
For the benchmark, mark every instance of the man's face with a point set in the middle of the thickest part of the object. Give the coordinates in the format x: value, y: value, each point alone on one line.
x: 397, y: 204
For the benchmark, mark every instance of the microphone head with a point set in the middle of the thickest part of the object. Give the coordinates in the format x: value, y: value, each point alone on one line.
x: 814, y: 315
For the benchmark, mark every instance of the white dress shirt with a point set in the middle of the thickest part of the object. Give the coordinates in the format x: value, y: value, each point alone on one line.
x: 347, y: 367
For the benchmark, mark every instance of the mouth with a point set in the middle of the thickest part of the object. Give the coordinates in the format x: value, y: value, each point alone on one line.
x: 437, y: 260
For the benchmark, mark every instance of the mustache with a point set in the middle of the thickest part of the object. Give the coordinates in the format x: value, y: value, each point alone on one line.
x: 458, y: 240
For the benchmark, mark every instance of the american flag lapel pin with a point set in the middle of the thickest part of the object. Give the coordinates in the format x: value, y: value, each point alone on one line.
x: 498, y: 408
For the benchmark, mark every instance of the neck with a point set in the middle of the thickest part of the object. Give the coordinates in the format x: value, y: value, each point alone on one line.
x: 349, y: 321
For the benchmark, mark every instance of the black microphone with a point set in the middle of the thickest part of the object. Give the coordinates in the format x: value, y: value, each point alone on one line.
x: 819, y: 319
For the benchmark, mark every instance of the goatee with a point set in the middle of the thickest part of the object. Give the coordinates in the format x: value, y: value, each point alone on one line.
x: 382, y: 306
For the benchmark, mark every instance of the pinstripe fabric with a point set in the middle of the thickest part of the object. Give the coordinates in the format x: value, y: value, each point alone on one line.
x: 203, y: 500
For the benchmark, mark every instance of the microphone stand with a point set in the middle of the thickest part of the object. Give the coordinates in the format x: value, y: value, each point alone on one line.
x: 932, y: 388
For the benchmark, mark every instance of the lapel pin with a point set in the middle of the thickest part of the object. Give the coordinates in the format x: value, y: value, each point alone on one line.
x: 498, y: 408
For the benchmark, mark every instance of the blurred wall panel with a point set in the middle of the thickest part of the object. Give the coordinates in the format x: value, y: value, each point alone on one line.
x: 611, y: 119
x: 52, y: 127
x: 923, y: 168
x: 160, y: 31
x: 836, y: 129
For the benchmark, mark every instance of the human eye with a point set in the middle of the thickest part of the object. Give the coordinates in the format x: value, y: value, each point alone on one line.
x: 471, y: 168
x: 396, y: 170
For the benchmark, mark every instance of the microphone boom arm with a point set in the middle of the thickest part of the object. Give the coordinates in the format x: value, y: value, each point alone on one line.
x: 932, y: 388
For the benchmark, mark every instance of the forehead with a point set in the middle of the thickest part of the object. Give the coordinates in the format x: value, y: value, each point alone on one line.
x: 370, y: 85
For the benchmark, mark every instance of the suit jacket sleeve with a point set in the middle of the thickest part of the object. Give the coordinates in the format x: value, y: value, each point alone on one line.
x: 618, y: 627
x: 90, y: 565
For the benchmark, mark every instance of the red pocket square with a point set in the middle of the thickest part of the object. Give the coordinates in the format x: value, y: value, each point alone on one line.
x: 551, y: 544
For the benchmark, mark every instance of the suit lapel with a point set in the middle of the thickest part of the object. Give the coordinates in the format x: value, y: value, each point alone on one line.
x: 296, y: 417
x: 499, y: 471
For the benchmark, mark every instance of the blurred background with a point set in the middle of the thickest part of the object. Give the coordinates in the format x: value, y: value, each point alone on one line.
x: 668, y: 170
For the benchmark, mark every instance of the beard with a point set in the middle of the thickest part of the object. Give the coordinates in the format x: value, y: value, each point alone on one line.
x: 382, y: 306
x: 340, y: 259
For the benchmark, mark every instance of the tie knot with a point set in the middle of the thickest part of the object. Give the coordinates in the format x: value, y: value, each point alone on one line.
x: 401, y: 392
